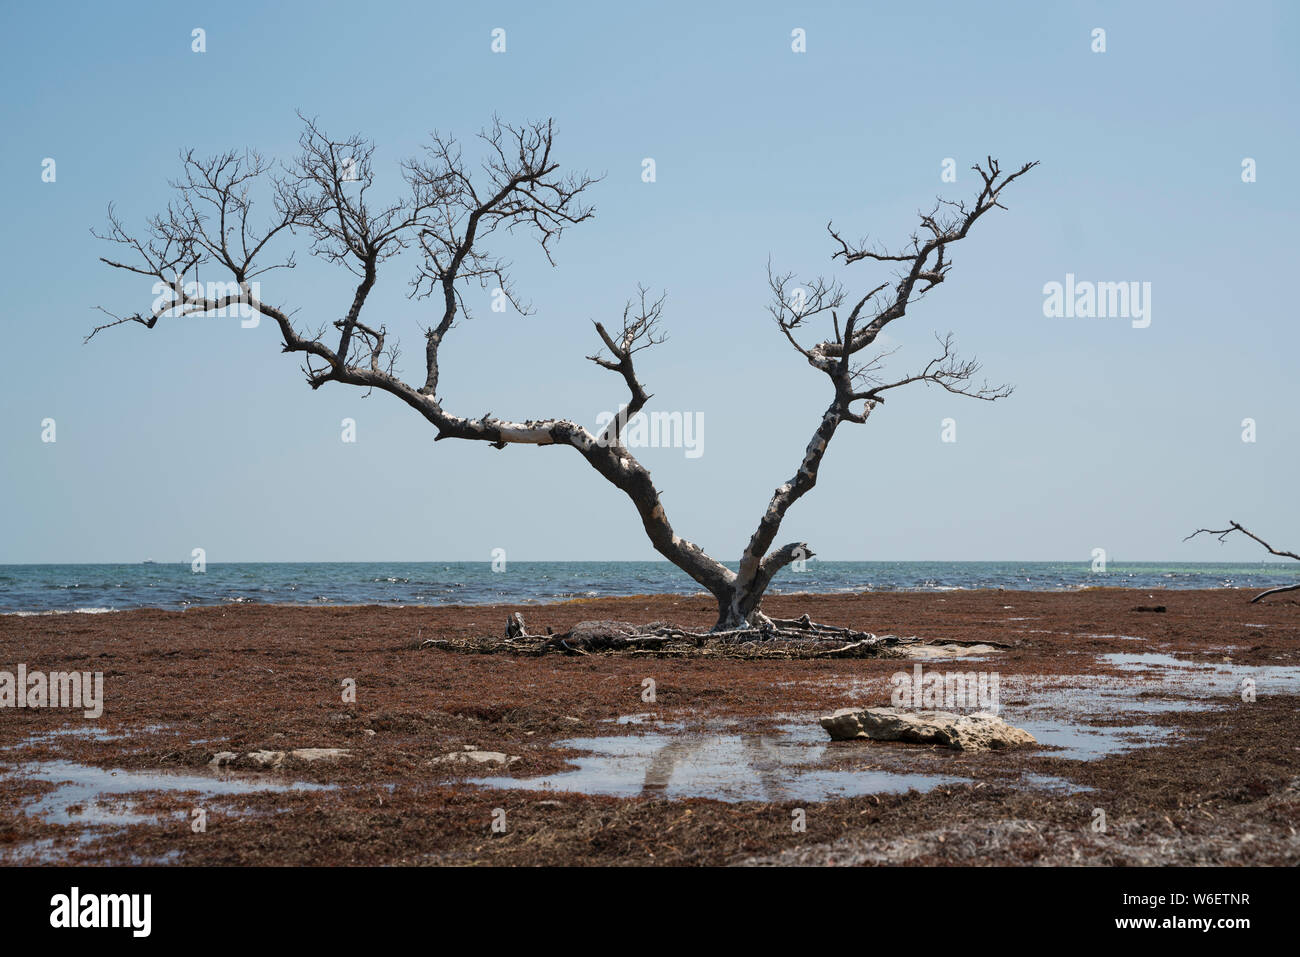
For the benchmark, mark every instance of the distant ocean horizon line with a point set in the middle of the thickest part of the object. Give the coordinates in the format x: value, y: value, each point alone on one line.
x: 655, y: 561
x: 94, y: 587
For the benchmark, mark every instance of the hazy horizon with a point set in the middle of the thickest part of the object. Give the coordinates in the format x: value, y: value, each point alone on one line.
x: 1112, y: 562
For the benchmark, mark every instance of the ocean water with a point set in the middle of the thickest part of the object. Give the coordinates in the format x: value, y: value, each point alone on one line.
x: 29, y: 589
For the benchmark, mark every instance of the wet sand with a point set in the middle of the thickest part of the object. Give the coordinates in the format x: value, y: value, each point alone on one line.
x: 1139, y: 714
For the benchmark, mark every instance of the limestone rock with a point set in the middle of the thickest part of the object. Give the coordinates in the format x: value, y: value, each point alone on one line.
x: 963, y: 732
x: 931, y: 652
x: 266, y: 759
x: 472, y: 755
x: 275, y: 759
x: 319, y: 754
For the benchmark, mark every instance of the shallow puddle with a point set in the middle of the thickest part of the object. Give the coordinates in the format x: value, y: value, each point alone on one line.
x: 1206, y: 678
x: 1047, y: 782
x: 779, y: 766
x: 1060, y: 715
x: 1058, y: 711
x: 85, y: 733
x: 1085, y: 742
x: 84, y: 795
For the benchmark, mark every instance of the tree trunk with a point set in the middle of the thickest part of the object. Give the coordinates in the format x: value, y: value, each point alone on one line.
x: 739, y: 608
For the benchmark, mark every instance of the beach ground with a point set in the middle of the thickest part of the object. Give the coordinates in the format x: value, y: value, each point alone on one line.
x: 1152, y: 751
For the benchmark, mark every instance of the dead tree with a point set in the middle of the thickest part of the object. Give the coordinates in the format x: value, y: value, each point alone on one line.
x: 1223, y: 533
x: 446, y: 219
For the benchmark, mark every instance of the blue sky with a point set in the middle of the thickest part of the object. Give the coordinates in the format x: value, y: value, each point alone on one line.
x: 202, y: 434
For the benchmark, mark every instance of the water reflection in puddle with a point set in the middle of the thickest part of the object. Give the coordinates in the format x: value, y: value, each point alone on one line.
x: 780, y: 766
x: 1048, y: 783
x: 1084, y: 742
x: 80, y: 790
x: 1209, y: 678
x: 1060, y: 713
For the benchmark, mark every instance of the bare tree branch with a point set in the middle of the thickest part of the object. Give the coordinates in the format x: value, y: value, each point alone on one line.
x: 1223, y: 533
x: 523, y: 191
x: 926, y: 257
x: 947, y: 370
x: 640, y: 331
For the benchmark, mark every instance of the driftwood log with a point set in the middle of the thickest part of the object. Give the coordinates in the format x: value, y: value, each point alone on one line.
x: 775, y: 638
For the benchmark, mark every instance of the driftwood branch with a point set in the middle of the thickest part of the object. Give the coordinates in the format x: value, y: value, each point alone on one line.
x: 1222, y: 533
x: 794, y: 638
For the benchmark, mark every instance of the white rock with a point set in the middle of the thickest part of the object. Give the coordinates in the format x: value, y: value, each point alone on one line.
x: 471, y: 756
x: 266, y: 759
x: 320, y: 754
x: 930, y: 652
x: 275, y: 759
x: 965, y: 732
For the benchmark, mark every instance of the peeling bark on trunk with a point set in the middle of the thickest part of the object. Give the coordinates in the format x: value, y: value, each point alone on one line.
x: 738, y: 609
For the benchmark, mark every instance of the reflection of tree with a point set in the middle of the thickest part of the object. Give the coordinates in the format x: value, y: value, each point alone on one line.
x: 765, y: 758
x: 762, y: 755
x: 664, y: 762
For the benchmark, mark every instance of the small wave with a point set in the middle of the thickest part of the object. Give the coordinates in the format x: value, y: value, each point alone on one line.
x: 818, y: 590
x: 63, y: 611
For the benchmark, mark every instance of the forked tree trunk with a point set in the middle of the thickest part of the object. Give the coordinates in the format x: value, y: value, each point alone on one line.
x: 739, y: 608
x: 740, y: 601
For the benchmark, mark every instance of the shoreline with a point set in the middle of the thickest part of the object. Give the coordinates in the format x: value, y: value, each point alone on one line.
x: 528, y: 602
